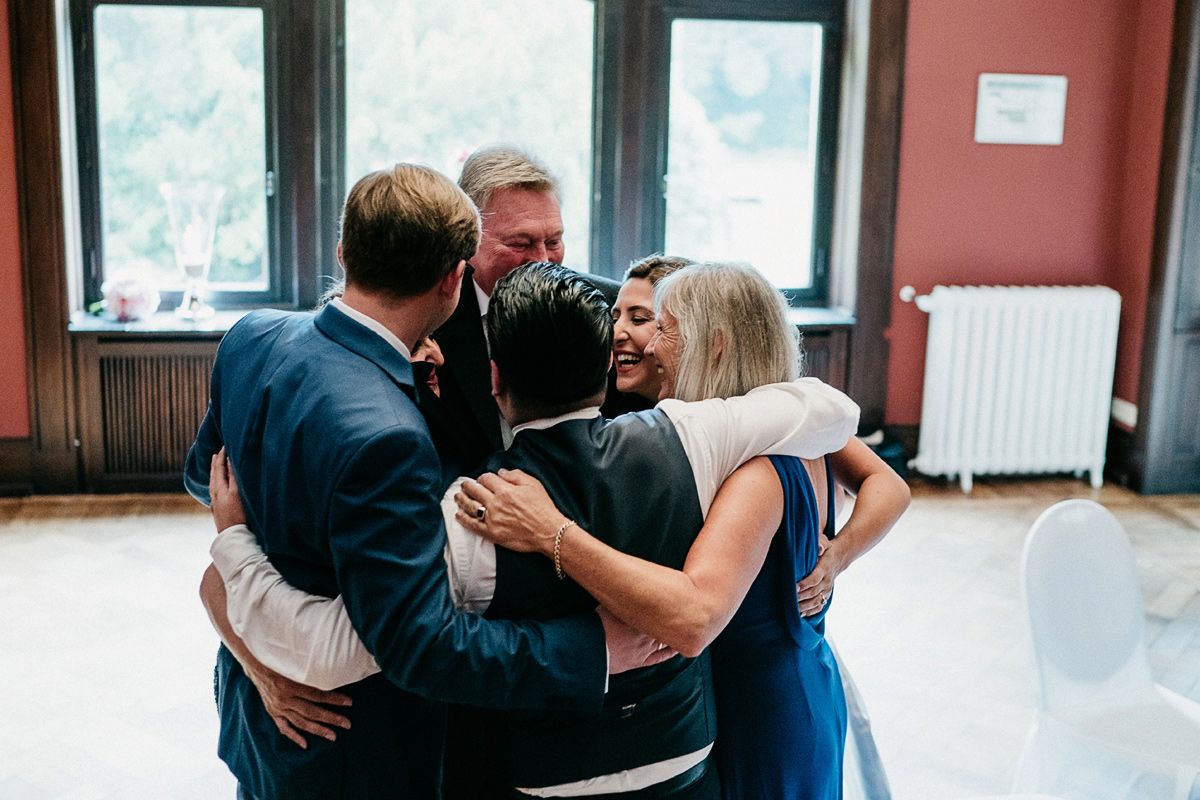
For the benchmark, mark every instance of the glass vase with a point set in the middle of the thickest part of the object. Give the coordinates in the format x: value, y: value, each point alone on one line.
x: 192, y: 207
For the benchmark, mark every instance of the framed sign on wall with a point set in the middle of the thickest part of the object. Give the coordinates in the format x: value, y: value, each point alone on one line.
x: 1020, y: 109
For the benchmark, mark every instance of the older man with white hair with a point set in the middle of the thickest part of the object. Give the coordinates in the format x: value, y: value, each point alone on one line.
x: 518, y: 200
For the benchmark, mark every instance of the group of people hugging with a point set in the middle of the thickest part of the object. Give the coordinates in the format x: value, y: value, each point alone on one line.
x: 492, y: 528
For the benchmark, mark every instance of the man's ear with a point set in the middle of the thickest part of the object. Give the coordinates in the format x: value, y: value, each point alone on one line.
x: 497, y: 383
x: 718, y: 345
x: 453, y: 280
x: 341, y: 261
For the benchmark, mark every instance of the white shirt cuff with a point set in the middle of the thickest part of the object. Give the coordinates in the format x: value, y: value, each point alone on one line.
x: 233, y: 549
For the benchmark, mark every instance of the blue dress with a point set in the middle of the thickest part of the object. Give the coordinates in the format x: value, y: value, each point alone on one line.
x: 781, y: 711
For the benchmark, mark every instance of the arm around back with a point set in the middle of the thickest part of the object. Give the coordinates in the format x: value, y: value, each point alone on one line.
x: 688, y: 608
x: 199, y: 457
x: 239, y: 359
x: 882, y: 497
x: 804, y: 418
x: 387, y: 539
x: 685, y: 608
x: 209, y: 439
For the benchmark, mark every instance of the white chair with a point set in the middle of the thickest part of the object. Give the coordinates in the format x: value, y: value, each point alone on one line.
x: 1105, y: 729
x: 864, y: 775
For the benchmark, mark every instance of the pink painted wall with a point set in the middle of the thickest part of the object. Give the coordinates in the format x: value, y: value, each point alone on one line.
x: 14, y: 386
x: 1081, y: 212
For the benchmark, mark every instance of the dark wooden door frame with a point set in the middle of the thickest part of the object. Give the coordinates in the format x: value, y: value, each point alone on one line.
x: 53, y: 460
x: 1166, y: 451
x: 868, y: 365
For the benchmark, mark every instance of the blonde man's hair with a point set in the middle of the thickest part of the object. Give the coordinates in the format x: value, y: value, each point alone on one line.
x: 406, y: 228
x: 495, y: 167
x: 734, y: 330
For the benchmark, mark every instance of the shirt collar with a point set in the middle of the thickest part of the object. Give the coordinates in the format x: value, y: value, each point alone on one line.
x: 372, y: 324
x: 591, y: 412
x: 483, y: 297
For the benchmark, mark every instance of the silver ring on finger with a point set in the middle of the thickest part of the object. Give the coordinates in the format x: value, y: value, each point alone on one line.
x: 481, y: 512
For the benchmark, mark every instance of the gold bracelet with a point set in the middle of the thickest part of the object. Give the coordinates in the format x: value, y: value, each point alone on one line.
x: 558, y: 570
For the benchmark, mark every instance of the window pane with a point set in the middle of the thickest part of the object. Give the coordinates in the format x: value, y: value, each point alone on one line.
x: 742, y: 142
x: 180, y: 94
x: 430, y: 85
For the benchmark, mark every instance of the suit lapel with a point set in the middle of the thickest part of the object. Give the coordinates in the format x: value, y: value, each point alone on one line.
x: 366, y: 343
x: 465, y: 378
x: 468, y: 389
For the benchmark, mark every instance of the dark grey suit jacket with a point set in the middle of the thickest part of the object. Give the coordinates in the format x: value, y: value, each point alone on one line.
x: 466, y: 423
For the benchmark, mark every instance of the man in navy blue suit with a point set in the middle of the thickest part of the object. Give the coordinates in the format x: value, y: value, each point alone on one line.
x: 340, y: 480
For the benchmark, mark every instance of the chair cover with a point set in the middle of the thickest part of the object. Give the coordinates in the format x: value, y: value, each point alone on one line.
x: 1104, y: 728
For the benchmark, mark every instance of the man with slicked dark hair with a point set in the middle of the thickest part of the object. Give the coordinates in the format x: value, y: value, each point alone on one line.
x: 529, y: 329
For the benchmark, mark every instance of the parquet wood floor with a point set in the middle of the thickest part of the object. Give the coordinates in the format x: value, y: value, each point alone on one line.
x: 106, y: 655
x: 106, y: 671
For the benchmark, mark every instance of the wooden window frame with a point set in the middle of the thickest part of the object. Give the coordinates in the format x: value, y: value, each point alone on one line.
x: 642, y: 143
x: 302, y: 55
x: 280, y: 281
x: 309, y: 117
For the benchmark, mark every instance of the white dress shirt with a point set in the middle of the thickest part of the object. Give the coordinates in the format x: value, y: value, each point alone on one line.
x: 483, y: 299
x: 310, y: 639
x: 373, y: 324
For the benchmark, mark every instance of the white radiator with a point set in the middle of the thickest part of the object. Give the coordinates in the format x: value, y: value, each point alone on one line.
x: 1018, y: 379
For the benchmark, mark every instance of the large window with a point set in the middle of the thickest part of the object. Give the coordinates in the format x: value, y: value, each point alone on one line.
x: 175, y: 96
x: 704, y: 128
x: 741, y: 184
x: 427, y: 85
x: 740, y: 160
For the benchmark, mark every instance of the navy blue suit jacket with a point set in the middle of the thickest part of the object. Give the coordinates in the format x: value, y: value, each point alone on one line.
x: 341, y: 484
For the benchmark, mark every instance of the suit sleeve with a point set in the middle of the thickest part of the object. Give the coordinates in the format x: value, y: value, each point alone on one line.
x: 387, y: 539
x: 805, y: 418
x: 208, y: 442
